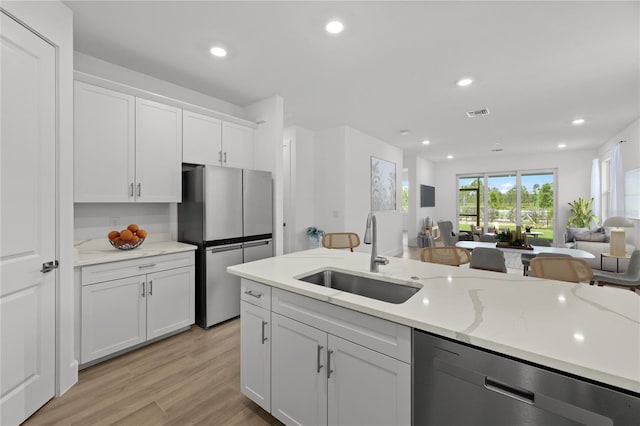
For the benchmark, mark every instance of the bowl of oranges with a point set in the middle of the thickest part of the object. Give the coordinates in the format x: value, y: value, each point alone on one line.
x: 128, y: 238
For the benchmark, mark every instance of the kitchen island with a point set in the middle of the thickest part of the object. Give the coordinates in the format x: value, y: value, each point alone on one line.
x: 586, y: 331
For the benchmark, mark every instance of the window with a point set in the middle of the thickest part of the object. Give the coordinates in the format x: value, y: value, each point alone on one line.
x: 506, y: 200
x: 405, y: 196
x: 605, y: 188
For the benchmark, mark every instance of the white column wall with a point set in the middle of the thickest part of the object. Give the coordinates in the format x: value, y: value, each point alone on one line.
x: 331, y: 180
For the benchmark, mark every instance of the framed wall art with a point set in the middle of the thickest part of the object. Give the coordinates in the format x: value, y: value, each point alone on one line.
x: 383, y: 185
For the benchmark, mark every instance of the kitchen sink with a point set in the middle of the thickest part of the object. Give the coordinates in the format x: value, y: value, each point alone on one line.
x: 362, y: 286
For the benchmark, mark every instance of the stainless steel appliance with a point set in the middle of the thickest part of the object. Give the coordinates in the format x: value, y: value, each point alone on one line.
x: 228, y: 214
x: 458, y: 384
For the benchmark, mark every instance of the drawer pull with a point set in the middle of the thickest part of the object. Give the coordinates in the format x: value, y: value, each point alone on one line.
x: 148, y: 265
x: 252, y: 293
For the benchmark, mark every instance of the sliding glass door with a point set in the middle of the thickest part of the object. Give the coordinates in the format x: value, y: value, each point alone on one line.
x: 500, y: 201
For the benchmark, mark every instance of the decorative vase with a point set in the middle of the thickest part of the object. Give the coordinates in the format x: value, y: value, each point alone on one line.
x: 314, y: 241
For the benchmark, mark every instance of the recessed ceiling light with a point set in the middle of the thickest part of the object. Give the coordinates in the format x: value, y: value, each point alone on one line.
x: 562, y: 145
x: 334, y: 27
x: 449, y: 156
x: 426, y: 142
x: 218, y: 51
x: 404, y: 132
x: 464, y: 82
x: 578, y: 121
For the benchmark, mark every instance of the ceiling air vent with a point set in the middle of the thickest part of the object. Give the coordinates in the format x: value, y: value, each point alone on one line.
x: 497, y: 150
x: 478, y: 113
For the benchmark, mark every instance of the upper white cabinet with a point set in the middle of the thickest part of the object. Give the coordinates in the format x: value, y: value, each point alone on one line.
x: 201, y: 139
x: 237, y: 146
x: 158, y: 152
x: 125, y: 148
x: 208, y: 140
x: 104, y: 144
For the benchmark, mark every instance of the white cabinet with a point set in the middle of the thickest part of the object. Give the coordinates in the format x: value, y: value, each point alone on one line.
x: 208, y: 140
x: 237, y: 146
x: 125, y: 148
x: 255, y: 342
x: 127, y: 303
x: 331, y: 365
x: 201, y: 139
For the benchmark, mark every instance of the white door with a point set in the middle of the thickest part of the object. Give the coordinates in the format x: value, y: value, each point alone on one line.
x: 27, y: 221
x: 298, y: 372
x: 237, y: 146
x: 367, y: 387
x: 255, y: 354
x: 158, y: 152
x: 170, y: 301
x: 201, y: 139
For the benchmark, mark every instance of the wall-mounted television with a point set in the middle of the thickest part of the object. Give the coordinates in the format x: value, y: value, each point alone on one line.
x: 427, y: 196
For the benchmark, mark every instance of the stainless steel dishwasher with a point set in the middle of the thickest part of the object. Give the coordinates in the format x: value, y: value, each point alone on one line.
x: 458, y: 384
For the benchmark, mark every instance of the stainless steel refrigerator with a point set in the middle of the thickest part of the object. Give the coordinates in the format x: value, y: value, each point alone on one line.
x: 228, y: 214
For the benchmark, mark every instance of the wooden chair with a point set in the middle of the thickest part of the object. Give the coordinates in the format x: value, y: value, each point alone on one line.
x: 488, y: 259
x: 340, y: 240
x: 452, y: 256
x: 525, y: 258
x: 568, y: 269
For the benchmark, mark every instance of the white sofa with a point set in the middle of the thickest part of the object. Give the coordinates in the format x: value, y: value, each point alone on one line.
x: 580, y: 239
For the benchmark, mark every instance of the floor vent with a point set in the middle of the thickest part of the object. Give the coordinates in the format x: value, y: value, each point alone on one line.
x: 478, y: 112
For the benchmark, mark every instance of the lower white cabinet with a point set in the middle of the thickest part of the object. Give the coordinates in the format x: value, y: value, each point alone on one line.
x: 255, y: 344
x: 319, y: 375
x: 124, y: 312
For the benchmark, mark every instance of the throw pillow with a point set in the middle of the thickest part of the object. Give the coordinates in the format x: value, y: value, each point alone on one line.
x: 593, y: 236
x: 571, y: 233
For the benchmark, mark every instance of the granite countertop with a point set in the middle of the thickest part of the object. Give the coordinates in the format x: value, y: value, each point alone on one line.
x: 589, y: 331
x: 92, y: 252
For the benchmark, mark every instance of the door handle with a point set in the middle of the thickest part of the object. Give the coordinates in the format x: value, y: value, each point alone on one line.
x: 131, y: 189
x: 139, y: 189
x: 329, y: 370
x: 220, y: 156
x: 319, y: 366
x: 142, y: 289
x: 225, y: 157
x: 49, y: 266
x: 264, y: 338
x: 150, y: 288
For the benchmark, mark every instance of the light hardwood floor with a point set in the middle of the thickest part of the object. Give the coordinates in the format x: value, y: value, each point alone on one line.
x: 190, y: 378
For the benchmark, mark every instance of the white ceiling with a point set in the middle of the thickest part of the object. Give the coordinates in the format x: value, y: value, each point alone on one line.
x: 536, y: 65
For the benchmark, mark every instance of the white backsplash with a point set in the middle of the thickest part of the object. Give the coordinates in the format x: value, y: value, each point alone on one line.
x: 93, y: 220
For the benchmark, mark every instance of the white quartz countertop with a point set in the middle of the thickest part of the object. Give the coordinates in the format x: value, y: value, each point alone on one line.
x: 589, y: 331
x: 92, y: 252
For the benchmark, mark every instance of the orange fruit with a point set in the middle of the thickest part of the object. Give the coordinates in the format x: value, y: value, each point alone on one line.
x: 134, y: 239
x: 126, y: 235
x: 118, y: 242
x: 133, y: 227
x: 113, y: 235
x: 141, y: 233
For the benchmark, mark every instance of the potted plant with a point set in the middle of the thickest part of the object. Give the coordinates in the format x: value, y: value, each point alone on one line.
x: 581, y: 215
x: 314, y: 236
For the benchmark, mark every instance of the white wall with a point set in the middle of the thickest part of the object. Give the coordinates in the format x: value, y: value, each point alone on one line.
x: 343, y: 186
x: 99, y: 68
x: 573, y: 178
x: 54, y: 22
x: 92, y: 220
x: 630, y: 151
x: 421, y: 172
x: 269, y: 114
x: 302, y: 179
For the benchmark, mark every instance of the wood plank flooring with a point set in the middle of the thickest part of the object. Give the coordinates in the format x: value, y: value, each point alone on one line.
x: 192, y: 378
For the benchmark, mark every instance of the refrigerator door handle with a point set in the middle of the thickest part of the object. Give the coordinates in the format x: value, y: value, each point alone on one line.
x: 259, y: 243
x: 223, y: 248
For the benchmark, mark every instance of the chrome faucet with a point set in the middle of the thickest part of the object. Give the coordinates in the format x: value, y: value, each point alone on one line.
x: 371, y: 237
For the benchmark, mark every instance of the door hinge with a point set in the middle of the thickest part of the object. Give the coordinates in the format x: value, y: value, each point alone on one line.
x: 49, y: 266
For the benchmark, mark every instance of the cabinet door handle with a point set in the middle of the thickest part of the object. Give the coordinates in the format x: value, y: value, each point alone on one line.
x: 139, y: 189
x: 252, y: 293
x: 220, y: 157
x: 150, y: 288
x: 318, y: 358
x: 264, y: 338
x: 225, y: 157
x: 131, y: 189
x: 142, y: 289
x: 329, y: 370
